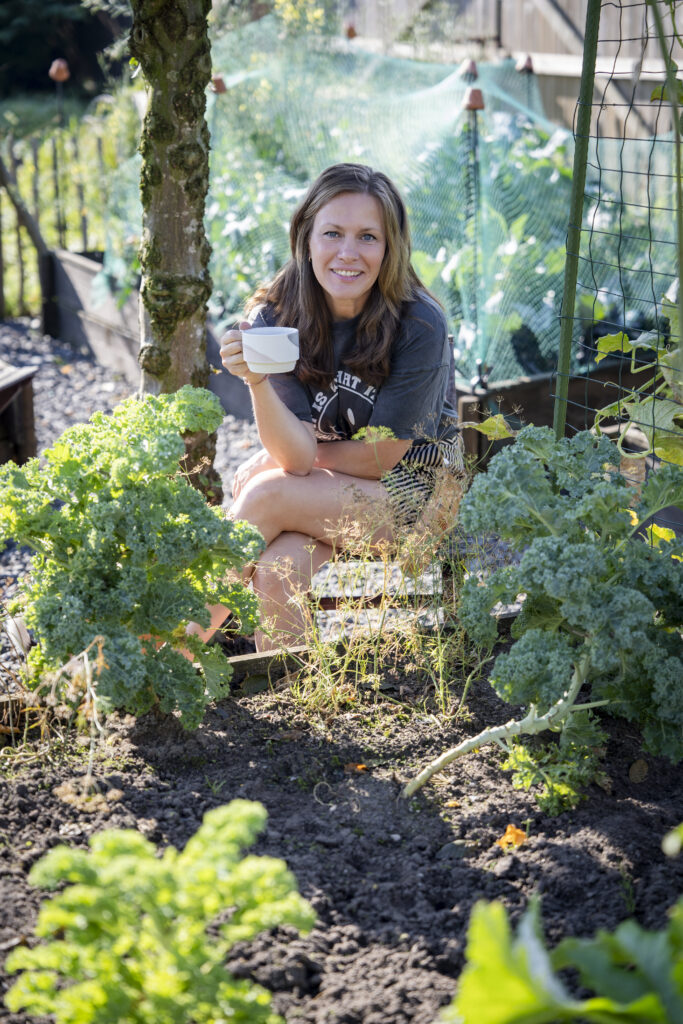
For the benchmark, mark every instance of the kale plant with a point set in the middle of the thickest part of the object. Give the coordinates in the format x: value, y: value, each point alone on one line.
x: 603, y: 605
x: 126, y: 549
x: 127, y: 939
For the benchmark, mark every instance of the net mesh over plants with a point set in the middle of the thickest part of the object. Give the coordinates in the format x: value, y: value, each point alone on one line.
x: 627, y: 357
x: 487, y: 190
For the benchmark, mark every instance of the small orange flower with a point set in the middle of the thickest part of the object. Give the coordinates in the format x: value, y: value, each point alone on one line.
x: 352, y: 767
x: 513, y: 837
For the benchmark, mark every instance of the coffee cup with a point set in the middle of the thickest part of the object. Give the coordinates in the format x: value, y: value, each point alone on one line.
x: 270, y: 349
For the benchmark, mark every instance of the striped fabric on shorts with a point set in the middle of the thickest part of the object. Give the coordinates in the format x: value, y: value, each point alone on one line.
x: 411, y: 482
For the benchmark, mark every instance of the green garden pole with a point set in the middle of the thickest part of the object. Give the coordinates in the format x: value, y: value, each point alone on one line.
x: 571, y: 266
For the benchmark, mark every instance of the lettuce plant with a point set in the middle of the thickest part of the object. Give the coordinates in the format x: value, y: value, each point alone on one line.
x: 126, y: 549
x: 127, y: 939
x: 603, y: 610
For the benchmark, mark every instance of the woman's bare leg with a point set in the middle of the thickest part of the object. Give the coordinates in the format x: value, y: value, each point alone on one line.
x: 324, y: 505
x: 302, y: 519
x: 281, y: 580
x: 313, y: 514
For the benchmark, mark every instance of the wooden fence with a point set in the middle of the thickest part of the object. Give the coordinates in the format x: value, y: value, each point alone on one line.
x: 52, y: 196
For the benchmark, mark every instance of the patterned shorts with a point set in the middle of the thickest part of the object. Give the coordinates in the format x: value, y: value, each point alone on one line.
x: 411, y: 482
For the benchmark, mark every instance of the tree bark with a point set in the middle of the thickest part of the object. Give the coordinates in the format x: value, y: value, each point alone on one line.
x: 169, y: 39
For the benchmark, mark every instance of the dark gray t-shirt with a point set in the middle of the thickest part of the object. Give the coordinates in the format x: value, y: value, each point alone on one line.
x: 410, y: 402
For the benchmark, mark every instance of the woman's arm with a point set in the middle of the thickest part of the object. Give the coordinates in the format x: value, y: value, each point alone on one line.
x: 289, y: 440
x: 367, y: 459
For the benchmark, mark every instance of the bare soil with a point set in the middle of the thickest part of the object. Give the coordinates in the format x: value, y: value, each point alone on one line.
x: 392, y: 881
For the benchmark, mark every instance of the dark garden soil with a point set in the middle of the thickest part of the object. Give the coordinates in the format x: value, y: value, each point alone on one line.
x: 392, y: 881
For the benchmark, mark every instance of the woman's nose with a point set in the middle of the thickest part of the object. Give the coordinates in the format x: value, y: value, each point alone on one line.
x: 348, y: 249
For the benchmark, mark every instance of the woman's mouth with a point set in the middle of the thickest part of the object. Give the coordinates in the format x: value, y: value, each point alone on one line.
x: 348, y: 275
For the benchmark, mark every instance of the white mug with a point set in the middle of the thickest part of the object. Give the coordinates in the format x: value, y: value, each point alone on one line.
x: 270, y: 349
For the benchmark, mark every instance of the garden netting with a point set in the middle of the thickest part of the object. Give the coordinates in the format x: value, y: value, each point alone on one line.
x: 487, y: 190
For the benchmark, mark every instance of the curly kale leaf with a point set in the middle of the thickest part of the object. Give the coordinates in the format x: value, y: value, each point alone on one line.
x: 513, y: 498
x: 537, y: 670
x: 525, y: 490
x: 478, y: 599
x: 561, y: 569
x: 663, y: 488
x: 191, y: 410
x: 602, y: 510
x: 178, y: 685
x: 126, y: 549
x: 657, y: 574
x: 580, y: 463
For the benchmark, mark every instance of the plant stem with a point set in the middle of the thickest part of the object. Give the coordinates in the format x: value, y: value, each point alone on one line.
x: 528, y: 726
x: 672, y: 96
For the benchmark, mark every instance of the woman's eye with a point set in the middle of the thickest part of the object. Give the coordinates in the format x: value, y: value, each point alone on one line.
x: 332, y: 234
x: 368, y: 237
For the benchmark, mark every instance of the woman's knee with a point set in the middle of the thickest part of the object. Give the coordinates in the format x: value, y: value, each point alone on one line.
x: 260, y: 495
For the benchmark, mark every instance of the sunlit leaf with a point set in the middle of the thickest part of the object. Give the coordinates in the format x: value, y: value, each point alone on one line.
x: 613, y: 343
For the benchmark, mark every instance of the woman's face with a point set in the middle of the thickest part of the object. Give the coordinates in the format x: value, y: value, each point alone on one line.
x: 347, y: 246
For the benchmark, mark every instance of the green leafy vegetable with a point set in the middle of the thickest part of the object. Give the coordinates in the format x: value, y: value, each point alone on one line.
x: 592, y: 590
x: 127, y: 939
x: 562, y: 770
x: 126, y: 549
x: 602, y: 609
x: 637, y: 975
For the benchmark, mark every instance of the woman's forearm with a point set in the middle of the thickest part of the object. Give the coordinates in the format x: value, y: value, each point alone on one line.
x: 365, y: 459
x: 287, y: 439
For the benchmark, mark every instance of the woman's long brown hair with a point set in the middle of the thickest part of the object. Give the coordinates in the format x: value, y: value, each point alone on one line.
x: 299, y: 301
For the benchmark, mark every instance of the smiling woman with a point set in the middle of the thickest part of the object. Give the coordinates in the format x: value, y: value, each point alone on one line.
x: 374, y: 354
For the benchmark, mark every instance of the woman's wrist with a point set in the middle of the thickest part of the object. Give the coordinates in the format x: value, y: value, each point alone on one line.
x: 254, y: 383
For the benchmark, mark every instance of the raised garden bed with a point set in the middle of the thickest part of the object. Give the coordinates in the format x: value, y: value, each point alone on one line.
x: 392, y: 881
x: 97, y: 322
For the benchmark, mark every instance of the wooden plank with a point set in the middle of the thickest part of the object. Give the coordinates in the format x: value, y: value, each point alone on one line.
x: 109, y: 331
x: 532, y: 400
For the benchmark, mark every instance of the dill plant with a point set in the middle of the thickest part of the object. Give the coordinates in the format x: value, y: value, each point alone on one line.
x: 126, y: 549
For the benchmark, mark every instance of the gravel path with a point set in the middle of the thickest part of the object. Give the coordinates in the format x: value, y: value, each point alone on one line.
x: 69, y: 387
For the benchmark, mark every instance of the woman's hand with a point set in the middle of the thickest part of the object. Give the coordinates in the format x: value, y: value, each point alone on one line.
x: 256, y: 463
x: 232, y: 356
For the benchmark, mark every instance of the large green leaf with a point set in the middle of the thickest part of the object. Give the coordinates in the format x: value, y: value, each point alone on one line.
x: 506, y: 978
x: 511, y: 979
x: 613, y: 343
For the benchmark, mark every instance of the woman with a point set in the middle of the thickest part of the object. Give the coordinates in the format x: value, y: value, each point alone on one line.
x: 373, y: 353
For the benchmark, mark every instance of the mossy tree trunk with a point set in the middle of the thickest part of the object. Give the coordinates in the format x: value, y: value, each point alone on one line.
x: 169, y: 38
